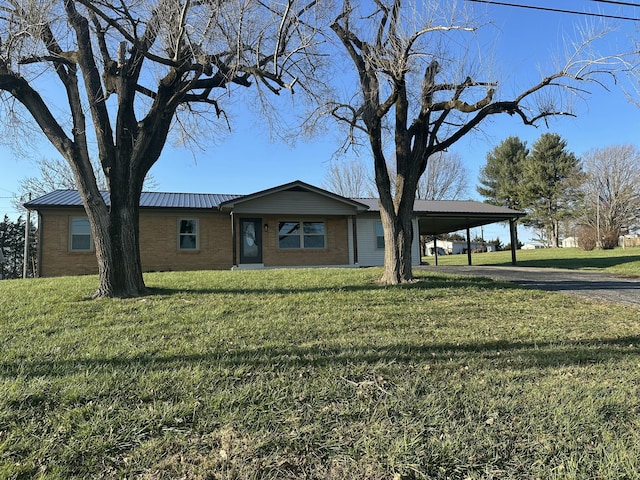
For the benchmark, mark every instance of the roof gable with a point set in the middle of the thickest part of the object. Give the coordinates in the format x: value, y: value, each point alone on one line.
x: 296, y: 186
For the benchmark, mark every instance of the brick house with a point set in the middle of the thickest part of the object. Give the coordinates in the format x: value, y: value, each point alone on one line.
x: 294, y: 224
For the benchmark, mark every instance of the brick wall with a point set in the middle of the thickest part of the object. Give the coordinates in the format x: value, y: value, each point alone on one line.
x: 158, y: 243
x: 55, y: 257
x: 336, y: 251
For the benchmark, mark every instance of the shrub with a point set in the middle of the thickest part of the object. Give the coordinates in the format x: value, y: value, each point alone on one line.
x: 586, y: 238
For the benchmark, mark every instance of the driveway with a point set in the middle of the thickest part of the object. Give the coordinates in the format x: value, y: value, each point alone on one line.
x: 592, y: 285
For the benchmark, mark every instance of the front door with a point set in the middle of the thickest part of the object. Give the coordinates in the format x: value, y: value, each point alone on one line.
x: 250, y: 240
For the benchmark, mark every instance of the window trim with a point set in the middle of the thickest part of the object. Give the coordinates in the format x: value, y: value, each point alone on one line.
x: 180, y: 234
x: 301, y: 235
x: 72, y: 235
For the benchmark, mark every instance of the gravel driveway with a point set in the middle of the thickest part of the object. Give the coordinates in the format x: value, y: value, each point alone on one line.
x: 592, y: 285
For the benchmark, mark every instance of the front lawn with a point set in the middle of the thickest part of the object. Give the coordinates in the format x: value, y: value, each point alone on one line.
x: 316, y: 374
x: 619, y: 261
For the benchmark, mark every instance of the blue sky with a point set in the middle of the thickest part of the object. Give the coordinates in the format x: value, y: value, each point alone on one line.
x: 247, y: 160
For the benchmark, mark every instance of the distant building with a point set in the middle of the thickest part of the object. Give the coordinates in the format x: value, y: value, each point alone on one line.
x: 570, y: 242
x: 453, y: 247
x: 532, y: 246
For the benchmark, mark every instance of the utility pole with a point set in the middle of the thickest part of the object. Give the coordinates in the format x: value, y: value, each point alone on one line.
x: 598, y: 242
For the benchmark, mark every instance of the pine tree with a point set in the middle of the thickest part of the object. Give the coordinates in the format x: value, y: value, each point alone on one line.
x: 550, y: 185
x: 501, y: 176
x: 12, y: 245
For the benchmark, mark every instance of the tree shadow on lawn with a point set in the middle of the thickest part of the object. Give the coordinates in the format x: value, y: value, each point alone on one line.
x: 423, y: 282
x: 574, y: 263
x: 496, y: 355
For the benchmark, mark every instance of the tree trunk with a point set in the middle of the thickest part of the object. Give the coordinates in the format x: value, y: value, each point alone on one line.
x: 555, y: 233
x: 398, y: 239
x: 116, y: 239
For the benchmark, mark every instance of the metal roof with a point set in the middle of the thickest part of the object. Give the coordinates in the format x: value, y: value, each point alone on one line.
x: 434, y: 216
x: 445, y: 216
x: 71, y: 198
x: 446, y: 207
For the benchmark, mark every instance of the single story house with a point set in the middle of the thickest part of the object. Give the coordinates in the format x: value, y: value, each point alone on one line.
x: 453, y: 247
x: 295, y: 224
x: 532, y: 246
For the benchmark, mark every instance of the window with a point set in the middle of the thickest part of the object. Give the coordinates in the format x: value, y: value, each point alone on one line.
x: 301, y: 234
x: 379, y: 235
x: 80, y: 240
x: 188, y: 234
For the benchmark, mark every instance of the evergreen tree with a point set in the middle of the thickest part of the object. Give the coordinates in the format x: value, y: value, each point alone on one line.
x: 550, y: 185
x: 501, y: 176
x: 12, y: 246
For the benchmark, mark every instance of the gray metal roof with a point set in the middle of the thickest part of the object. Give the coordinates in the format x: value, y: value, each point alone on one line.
x: 444, y: 216
x: 456, y: 207
x: 71, y: 198
x: 434, y: 217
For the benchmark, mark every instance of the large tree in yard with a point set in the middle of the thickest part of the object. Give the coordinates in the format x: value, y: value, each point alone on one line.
x: 417, y: 83
x: 121, y: 74
x: 500, y: 178
x: 552, y: 178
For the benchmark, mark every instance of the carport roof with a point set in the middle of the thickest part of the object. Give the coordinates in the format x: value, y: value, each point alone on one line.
x: 445, y: 216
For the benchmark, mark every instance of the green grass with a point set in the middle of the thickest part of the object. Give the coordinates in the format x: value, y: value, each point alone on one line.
x: 316, y: 374
x: 619, y: 261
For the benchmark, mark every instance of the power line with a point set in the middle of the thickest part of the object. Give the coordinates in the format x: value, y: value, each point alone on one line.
x: 617, y: 2
x: 560, y: 10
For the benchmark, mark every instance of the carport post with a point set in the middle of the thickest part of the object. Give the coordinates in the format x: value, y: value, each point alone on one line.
x: 435, y: 249
x: 514, y: 239
x: 469, y: 245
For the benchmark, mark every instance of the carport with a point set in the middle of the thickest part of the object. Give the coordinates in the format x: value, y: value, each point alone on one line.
x: 446, y: 216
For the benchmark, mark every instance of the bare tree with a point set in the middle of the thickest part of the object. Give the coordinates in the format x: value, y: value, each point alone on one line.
x: 349, y: 178
x: 56, y: 174
x: 128, y: 71
x: 612, y: 192
x: 445, y: 178
x: 429, y: 98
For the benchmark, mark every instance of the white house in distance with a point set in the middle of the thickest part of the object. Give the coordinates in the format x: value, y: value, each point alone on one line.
x: 454, y: 247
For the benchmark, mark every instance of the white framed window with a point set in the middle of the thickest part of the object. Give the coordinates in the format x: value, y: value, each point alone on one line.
x: 80, y: 235
x: 188, y: 234
x: 379, y: 236
x: 296, y: 234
